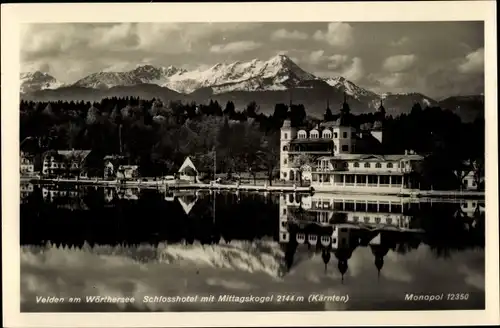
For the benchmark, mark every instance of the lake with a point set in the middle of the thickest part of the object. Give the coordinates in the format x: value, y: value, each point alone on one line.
x: 89, y: 249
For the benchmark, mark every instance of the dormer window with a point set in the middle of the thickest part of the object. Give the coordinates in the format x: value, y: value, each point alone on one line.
x: 327, y: 134
x: 367, y: 165
x: 378, y: 165
x: 390, y: 166
x: 302, y: 134
x: 314, y: 134
x: 356, y: 164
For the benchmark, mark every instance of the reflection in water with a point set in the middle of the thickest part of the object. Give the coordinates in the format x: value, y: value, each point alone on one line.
x: 81, y: 240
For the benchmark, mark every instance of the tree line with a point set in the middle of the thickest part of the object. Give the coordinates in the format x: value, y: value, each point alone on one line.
x: 158, y: 136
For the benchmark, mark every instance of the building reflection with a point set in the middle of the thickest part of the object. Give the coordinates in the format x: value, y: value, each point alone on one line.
x: 338, y: 224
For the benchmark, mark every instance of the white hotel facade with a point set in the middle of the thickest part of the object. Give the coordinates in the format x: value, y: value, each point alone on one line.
x: 336, y: 162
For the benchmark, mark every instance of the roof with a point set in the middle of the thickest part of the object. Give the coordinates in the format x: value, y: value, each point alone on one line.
x: 75, y: 154
x: 373, y: 157
x: 113, y: 157
x: 129, y: 166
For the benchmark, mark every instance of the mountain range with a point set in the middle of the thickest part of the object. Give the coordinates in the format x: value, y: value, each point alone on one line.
x: 277, y: 80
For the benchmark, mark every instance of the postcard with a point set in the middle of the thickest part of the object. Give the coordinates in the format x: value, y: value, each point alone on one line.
x: 249, y: 164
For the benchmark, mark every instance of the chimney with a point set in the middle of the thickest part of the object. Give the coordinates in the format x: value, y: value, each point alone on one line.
x: 406, y: 151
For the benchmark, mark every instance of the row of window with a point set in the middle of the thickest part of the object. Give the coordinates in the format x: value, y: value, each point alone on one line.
x: 366, y: 219
x: 345, y: 148
x: 359, y: 207
x: 62, y: 165
x: 362, y: 179
x: 314, y: 134
x: 377, y: 165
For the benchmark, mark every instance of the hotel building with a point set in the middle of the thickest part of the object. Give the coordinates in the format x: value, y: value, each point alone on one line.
x: 335, y: 155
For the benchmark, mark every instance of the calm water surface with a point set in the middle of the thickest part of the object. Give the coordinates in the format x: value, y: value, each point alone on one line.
x: 369, y: 251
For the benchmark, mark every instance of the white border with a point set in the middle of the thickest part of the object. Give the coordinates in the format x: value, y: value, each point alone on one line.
x: 14, y: 14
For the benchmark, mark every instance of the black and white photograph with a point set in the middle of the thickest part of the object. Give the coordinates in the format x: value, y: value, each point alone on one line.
x: 252, y: 166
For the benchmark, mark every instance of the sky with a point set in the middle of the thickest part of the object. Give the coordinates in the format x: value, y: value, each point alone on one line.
x: 438, y: 59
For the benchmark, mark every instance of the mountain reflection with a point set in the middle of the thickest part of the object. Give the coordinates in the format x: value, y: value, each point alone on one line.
x: 278, y: 235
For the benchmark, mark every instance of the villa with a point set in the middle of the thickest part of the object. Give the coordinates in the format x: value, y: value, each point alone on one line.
x: 335, y: 156
x: 68, y: 163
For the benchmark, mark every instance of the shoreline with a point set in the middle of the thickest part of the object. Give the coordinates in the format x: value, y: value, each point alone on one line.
x: 176, y: 185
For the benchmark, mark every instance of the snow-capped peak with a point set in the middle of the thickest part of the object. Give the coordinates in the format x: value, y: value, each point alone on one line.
x: 143, y: 73
x: 277, y: 73
x: 34, y: 81
x: 344, y: 85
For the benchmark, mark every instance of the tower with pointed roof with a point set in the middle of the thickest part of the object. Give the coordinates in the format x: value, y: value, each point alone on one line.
x: 377, y: 130
x: 325, y: 255
x: 379, y: 252
x: 288, y: 133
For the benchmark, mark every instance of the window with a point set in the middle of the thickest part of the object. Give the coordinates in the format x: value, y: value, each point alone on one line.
x: 378, y: 165
x: 283, y: 223
x: 367, y: 165
x: 335, y: 135
x: 390, y: 166
x: 285, y: 148
x: 344, y: 135
x: 327, y: 134
x: 355, y: 219
x: 302, y: 134
x: 284, y: 174
x: 377, y: 220
x: 345, y: 148
x: 284, y: 211
x: 314, y: 134
x: 389, y: 220
x: 366, y: 219
x: 466, y: 183
x: 384, y: 179
x: 284, y: 236
x: 286, y: 136
x: 345, y: 164
x: 356, y: 164
x: 334, y: 240
x: 285, y: 161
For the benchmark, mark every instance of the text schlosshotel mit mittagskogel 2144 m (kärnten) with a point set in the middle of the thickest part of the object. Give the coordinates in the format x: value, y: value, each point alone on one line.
x: 221, y: 298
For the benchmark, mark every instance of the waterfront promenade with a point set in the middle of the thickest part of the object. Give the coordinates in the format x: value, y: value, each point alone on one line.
x: 259, y: 187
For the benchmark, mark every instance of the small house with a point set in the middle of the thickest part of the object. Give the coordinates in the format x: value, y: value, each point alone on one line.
x: 27, y: 164
x: 471, y: 176
x: 127, y: 172
x: 111, y: 164
x: 188, y: 170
